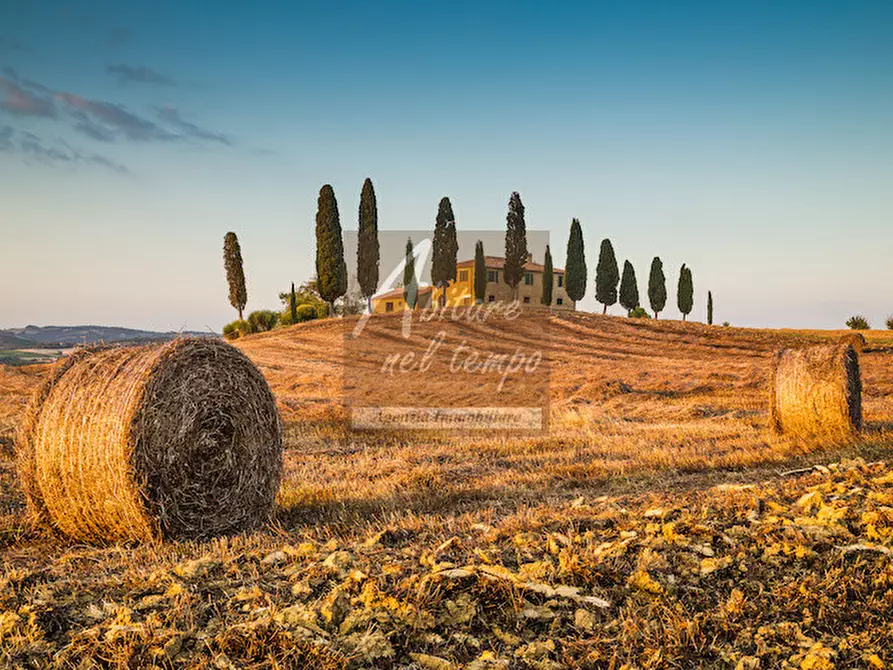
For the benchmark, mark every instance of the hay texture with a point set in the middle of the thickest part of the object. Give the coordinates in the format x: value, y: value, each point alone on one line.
x: 816, y: 392
x: 857, y: 340
x: 181, y: 440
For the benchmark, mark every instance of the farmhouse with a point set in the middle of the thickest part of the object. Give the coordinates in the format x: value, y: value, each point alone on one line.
x: 461, y: 291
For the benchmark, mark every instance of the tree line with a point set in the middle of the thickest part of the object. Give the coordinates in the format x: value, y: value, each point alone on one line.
x: 611, y: 286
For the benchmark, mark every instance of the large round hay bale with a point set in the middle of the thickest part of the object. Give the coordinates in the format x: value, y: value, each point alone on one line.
x: 857, y: 340
x: 181, y: 440
x: 817, y: 392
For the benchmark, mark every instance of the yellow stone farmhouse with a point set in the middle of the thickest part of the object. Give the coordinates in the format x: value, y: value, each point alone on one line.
x: 461, y: 291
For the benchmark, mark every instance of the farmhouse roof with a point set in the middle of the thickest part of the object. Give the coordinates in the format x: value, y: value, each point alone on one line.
x: 398, y: 293
x: 498, y: 262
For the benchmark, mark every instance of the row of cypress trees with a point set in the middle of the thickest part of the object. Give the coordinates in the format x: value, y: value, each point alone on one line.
x: 607, y: 278
x: 331, y: 269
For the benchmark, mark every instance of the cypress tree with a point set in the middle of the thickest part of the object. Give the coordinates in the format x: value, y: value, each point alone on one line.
x: 709, y: 308
x: 547, y: 278
x: 657, y: 287
x: 685, y: 291
x: 480, y: 273
x: 515, y: 243
x: 331, y: 270
x: 445, y: 246
x: 629, y: 288
x: 293, y: 304
x: 410, y: 285
x: 606, y: 276
x: 367, y: 243
x: 575, y: 268
x: 235, y: 274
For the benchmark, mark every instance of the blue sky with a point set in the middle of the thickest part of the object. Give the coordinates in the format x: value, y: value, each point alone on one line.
x: 752, y: 141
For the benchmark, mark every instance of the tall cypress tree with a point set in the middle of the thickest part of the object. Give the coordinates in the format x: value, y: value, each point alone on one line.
x: 515, y: 243
x: 410, y: 285
x: 235, y: 273
x: 331, y: 270
x: 606, y: 276
x: 709, y: 308
x: 367, y: 243
x: 629, y: 288
x: 480, y: 273
x: 657, y: 287
x: 445, y: 246
x: 293, y: 304
x: 548, y: 278
x: 685, y: 292
x: 575, y: 268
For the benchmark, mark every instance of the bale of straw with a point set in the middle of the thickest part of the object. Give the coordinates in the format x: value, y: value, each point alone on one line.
x: 816, y: 392
x: 181, y: 440
x: 856, y: 340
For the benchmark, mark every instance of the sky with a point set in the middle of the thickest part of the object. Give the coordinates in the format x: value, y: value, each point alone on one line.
x: 752, y: 141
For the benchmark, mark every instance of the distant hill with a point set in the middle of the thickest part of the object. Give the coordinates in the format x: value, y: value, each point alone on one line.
x: 49, y: 337
x: 9, y: 341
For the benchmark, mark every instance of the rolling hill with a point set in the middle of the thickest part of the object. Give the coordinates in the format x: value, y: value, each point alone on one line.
x: 68, y: 336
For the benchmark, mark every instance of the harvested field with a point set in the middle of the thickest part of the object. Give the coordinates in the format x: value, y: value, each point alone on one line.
x: 659, y: 524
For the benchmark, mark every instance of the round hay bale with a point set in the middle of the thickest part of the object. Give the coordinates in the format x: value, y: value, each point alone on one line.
x: 816, y: 392
x: 181, y: 440
x: 856, y: 340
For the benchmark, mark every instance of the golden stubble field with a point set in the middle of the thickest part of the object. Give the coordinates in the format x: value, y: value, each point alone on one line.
x: 657, y: 524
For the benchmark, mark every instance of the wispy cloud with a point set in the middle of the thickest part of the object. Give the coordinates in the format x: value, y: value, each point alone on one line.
x: 172, y: 116
x: 99, y: 120
x: 60, y: 153
x: 19, y: 100
x: 127, y: 74
x: 96, y: 131
x: 6, y: 133
x: 116, y: 117
x: 23, y: 81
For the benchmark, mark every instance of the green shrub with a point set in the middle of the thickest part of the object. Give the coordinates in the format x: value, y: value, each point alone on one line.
x: 858, y: 322
x: 638, y: 313
x: 237, y: 329
x: 307, y: 313
x: 322, y: 311
x: 889, y: 323
x: 263, y: 320
x: 726, y: 324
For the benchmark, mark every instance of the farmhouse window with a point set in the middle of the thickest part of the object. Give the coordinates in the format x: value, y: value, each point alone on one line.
x: 463, y: 275
x: 389, y: 307
x: 560, y: 301
x: 492, y: 276
x: 560, y: 282
x: 528, y: 279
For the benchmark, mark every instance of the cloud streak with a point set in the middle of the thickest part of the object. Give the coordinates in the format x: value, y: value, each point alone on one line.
x: 127, y: 74
x: 98, y: 120
x: 172, y: 116
x: 116, y: 117
x: 22, y: 102
x: 33, y: 147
